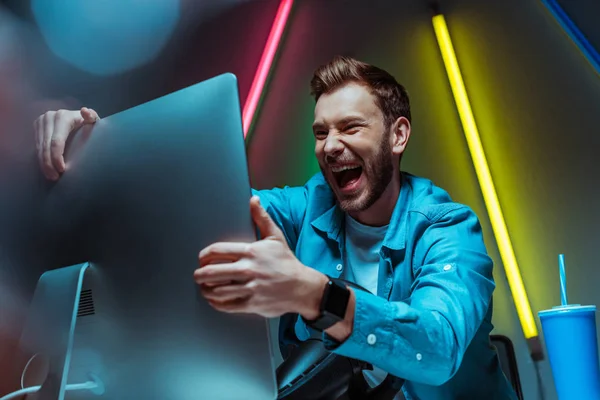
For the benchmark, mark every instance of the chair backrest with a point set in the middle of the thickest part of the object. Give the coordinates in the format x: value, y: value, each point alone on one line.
x: 508, y: 361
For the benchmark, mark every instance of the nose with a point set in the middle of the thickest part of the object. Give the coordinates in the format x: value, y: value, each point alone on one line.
x: 333, y: 146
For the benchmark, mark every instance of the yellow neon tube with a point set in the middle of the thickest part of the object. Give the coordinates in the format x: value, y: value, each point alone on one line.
x: 485, y: 179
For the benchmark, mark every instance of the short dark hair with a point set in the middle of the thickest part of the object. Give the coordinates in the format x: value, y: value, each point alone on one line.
x: 392, y: 97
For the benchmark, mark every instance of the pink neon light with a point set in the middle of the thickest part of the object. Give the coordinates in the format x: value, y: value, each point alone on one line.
x: 266, y: 61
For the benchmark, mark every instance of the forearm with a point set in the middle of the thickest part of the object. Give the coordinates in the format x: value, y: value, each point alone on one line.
x: 416, y: 345
x: 422, y: 340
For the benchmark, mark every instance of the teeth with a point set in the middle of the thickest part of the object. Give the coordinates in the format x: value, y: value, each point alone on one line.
x: 344, y: 168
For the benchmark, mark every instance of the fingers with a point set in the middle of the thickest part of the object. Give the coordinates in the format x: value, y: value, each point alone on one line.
x: 51, y: 133
x: 65, y: 122
x: 219, y: 283
x: 233, y: 306
x: 89, y: 115
x: 215, y: 273
x: 225, y: 293
x: 39, y: 138
x: 224, y: 251
x: 47, y: 125
x: 225, y: 285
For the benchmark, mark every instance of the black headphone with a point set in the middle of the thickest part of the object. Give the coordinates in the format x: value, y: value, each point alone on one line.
x: 311, y: 372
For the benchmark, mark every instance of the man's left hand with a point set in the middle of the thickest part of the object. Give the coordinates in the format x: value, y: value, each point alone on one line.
x: 263, y: 277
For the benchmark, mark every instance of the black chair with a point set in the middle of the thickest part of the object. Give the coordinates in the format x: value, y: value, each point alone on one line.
x: 508, y: 361
x: 309, y: 372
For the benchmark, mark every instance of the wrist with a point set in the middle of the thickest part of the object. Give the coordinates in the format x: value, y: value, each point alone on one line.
x: 342, y: 330
x: 326, y: 309
x: 312, y: 285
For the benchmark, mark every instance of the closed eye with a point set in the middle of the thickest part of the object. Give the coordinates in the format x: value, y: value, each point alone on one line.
x: 320, y: 135
x: 353, y: 128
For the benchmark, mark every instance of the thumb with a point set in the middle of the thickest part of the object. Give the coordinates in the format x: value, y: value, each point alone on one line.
x: 263, y: 221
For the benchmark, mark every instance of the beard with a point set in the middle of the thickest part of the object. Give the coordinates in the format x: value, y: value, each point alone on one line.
x: 378, y: 172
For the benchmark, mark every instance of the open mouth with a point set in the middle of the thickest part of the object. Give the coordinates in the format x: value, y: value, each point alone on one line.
x: 347, y: 176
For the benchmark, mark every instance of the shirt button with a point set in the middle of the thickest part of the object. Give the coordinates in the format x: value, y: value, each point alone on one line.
x: 339, y: 267
x: 419, y: 357
x: 371, y: 339
x: 447, y: 267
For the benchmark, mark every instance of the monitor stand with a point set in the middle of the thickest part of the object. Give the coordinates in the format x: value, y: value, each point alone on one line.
x: 50, y: 326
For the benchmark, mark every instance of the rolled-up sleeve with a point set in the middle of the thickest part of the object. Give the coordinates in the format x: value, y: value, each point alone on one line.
x: 424, y: 338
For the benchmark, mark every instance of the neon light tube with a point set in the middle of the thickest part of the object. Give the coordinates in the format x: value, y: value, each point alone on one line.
x: 265, y: 64
x: 574, y: 33
x: 485, y: 179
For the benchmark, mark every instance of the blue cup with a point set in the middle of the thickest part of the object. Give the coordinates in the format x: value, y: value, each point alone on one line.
x: 572, y: 347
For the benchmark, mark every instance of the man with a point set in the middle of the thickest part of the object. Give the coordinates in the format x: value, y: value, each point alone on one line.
x: 428, y: 317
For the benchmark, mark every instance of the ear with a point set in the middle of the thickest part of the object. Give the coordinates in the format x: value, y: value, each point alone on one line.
x: 400, y: 135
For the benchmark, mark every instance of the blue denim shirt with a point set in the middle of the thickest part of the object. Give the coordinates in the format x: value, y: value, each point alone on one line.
x: 431, y: 319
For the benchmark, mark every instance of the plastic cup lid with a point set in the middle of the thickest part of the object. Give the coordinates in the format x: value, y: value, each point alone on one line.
x: 569, y: 308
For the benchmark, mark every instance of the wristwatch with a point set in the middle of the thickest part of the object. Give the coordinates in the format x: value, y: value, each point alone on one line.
x: 333, y: 305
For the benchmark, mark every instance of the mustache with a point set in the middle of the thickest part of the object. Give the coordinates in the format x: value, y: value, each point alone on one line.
x: 341, y: 160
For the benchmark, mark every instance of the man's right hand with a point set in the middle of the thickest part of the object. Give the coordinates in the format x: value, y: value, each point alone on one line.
x: 52, y: 130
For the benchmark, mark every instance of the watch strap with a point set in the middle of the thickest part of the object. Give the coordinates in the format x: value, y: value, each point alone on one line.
x: 333, y: 305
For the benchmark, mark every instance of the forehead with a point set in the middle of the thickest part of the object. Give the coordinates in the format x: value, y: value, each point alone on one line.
x: 352, y: 99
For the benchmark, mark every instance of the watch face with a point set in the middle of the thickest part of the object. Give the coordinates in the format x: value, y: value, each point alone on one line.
x: 337, y: 300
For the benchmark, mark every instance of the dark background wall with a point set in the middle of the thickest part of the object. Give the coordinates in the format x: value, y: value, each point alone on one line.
x: 534, y: 97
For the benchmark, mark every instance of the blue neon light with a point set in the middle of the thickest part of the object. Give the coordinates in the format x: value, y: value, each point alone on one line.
x: 574, y: 33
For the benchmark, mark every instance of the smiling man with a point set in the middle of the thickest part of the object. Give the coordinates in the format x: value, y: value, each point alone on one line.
x: 425, y: 316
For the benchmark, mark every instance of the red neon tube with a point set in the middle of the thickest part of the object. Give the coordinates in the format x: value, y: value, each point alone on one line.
x: 266, y: 61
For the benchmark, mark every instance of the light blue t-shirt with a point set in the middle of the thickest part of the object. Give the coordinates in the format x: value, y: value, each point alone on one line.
x: 362, y: 246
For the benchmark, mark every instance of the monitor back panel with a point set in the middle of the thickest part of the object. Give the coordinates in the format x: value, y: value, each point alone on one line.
x: 145, y: 190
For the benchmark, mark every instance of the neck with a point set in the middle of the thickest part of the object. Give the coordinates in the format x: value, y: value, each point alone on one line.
x: 380, y: 213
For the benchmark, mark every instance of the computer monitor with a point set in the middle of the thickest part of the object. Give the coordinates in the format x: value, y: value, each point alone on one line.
x: 144, y: 191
